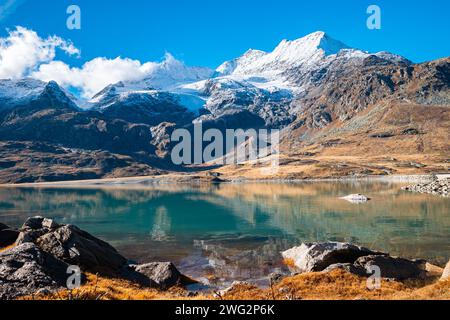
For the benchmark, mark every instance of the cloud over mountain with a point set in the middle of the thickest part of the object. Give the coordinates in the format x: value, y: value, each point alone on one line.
x: 23, y: 53
x: 23, y: 50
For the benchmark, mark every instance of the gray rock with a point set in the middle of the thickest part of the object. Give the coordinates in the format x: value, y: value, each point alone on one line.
x: 393, y: 268
x: 446, y: 274
x: 8, y: 237
x: 161, y: 275
x: 78, y: 247
x: 24, y: 270
x: 72, y: 245
x: 276, y: 277
x: 358, y: 270
x: 311, y: 257
x: 33, y: 223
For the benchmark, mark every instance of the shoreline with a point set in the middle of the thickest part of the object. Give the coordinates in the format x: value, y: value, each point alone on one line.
x: 194, y: 179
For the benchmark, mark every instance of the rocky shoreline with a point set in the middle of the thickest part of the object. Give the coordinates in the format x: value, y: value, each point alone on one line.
x: 436, y: 187
x: 40, y: 259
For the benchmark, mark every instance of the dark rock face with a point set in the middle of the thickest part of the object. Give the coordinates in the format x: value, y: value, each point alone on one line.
x: 393, y: 268
x: 311, y: 257
x: 8, y: 237
x: 161, y: 275
x: 72, y: 245
x: 26, y: 269
x: 347, y: 267
x: 144, y: 108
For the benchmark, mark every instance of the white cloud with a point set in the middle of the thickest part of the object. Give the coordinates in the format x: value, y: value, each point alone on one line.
x: 94, y: 75
x: 23, y: 50
x: 98, y: 73
x: 24, y: 54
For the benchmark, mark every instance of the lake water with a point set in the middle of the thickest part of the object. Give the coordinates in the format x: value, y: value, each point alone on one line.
x: 236, y: 231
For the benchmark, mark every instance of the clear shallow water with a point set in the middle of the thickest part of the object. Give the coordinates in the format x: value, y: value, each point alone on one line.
x: 235, y: 232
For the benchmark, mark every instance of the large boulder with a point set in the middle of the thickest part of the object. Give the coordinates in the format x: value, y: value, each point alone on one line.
x: 72, y: 245
x: 446, y: 274
x: 25, y: 269
x: 393, y: 268
x: 312, y: 257
x: 161, y: 275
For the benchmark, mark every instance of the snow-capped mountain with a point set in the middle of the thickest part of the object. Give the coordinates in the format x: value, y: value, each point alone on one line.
x: 26, y: 92
x: 264, y: 83
x: 303, y: 56
x: 169, y: 74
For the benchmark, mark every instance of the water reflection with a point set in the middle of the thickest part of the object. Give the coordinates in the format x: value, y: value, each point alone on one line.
x: 237, y: 231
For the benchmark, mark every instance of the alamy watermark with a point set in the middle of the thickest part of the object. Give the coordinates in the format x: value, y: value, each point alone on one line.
x: 227, y: 147
x: 74, y: 19
x: 374, y: 20
x: 74, y: 279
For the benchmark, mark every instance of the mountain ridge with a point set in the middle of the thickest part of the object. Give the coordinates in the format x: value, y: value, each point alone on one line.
x: 324, y: 96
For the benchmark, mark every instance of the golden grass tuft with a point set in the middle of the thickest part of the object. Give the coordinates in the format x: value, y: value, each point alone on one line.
x: 335, y: 285
x: 100, y: 288
x: 7, y: 248
x: 339, y: 285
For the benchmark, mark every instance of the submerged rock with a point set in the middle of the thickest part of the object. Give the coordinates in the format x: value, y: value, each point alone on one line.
x: 72, y: 245
x: 356, y: 198
x: 311, y: 257
x: 26, y: 269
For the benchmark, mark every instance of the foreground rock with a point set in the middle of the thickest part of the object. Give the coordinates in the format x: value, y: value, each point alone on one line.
x: 26, y: 269
x: 392, y: 267
x: 7, y: 235
x: 446, y: 274
x: 72, y: 245
x: 45, y: 249
x: 354, y: 259
x: 161, y: 275
x: 437, y: 187
x: 312, y: 257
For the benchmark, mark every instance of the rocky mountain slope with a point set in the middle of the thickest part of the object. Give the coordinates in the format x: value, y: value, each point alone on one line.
x: 342, y: 111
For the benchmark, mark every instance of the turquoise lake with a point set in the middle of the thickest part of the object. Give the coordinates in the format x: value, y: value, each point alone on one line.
x: 236, y: 231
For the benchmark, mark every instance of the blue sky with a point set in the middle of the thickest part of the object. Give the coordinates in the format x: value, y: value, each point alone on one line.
x: 208, y: 32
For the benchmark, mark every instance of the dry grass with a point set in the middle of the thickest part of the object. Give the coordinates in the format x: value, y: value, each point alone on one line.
x: 99, y: 288
x: 336, y: 285
x: 7, y: 248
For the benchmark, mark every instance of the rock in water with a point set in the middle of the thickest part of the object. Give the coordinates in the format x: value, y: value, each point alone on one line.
x: 311, y: 257
x: 393, y: 268
x: 161, y: 275
x: 72, y: 245
x: 356, y: 198
x: 446, y: 274
x: 26, y: 269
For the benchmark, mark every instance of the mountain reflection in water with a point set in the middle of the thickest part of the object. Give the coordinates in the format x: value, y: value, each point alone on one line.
x: 236, y: 231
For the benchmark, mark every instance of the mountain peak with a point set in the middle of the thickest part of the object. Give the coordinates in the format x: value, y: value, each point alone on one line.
x: 308, y: 45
